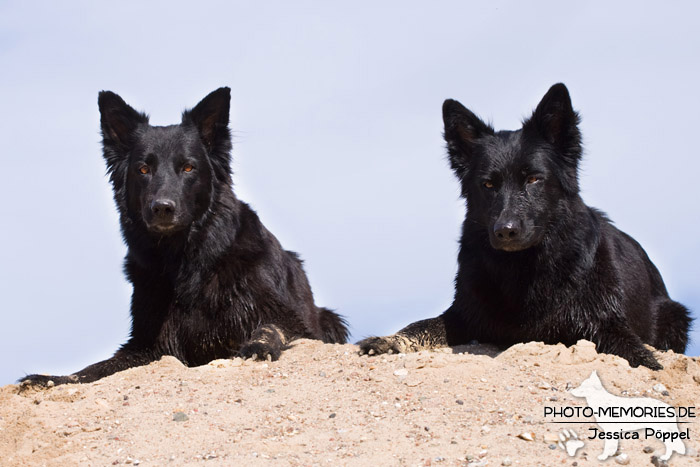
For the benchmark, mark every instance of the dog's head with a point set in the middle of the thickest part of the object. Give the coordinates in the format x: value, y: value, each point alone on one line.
x: 514, y: 180
x: 164, y: 177
x: 588, y: 387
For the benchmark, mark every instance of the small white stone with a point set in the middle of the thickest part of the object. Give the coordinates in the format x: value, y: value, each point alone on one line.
x: 401, y: 372
x: 622, y: 459
x: 658, y: 387
x: 527, y: 436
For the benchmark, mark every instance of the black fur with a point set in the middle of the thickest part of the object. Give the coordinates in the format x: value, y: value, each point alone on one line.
x: 209, y: 280
x: 536, y: 263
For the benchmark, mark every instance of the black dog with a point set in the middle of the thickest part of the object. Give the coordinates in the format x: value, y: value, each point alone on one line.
x: 535, y: 262
x: 210, y: 281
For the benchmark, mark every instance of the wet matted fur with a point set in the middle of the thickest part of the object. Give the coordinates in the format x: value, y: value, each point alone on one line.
x: 209, y: 280
x: 535, y: 263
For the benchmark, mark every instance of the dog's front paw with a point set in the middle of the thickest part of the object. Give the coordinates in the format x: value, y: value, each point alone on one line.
x: 45, y: 381
x: 260, y: 351
x: 645, y: 359
x: 378, y: 345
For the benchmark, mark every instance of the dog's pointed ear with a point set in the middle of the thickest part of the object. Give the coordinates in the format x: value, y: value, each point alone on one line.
x: 118, y: 120
x: 595, y: 380
x: 463, y: 129
x: 119, y: 123
x: 210, y: 117
x: 557, y: 122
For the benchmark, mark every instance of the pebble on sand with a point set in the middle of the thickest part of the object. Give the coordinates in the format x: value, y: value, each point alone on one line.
x: 180, y: 417
x: 657, y: 462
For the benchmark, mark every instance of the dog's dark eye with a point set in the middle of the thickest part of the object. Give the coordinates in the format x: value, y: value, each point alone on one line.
x: 144, y: 169
x: 532, y: 179
x: 488, y: 184
x: 187, y: 168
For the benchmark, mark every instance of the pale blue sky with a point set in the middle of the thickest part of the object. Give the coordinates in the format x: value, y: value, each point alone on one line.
x: 336, y: 115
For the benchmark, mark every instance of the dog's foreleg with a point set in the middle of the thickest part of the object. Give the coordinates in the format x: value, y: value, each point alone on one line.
x: 421, y: 335
x: 616, y: 337
x: 673, y: 445
x: 609, y: 449
x: 122, y: 360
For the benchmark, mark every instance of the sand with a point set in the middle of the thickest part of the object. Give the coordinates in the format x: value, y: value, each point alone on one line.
x: 323, y: 404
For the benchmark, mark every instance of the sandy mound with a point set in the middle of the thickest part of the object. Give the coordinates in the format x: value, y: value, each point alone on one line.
x: 325, y: 405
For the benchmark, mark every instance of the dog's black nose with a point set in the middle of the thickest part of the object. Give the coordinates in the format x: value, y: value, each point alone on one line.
x: 163, y: 208
x: 506, y: 231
